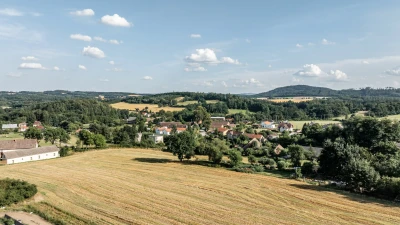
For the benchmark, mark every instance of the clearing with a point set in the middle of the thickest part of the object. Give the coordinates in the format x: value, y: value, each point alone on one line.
x: 137, y: 186
x: 152, y: 107
x: 234, y: 111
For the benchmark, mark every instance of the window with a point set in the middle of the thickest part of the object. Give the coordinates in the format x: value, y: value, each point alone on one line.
x: 12, y: 161
x: 54, y: 154
x: 38, y: 156
x: 31, y: 158
x: 22, y: 158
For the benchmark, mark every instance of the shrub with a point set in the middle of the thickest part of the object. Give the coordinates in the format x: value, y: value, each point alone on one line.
x: 14, y: 191
x: 307, y: 168
x: 388, y: 187
x: 235, y: 158
x: 282, y: 165
x: 258, y: 168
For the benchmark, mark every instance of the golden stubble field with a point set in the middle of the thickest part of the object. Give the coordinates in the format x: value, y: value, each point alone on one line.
x: 137, y: 186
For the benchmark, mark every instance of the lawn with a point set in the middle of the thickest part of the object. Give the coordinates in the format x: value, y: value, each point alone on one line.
x: 137, y: 186
x: 152, y: 107
x: 299, y: 124
x: 234, y: 111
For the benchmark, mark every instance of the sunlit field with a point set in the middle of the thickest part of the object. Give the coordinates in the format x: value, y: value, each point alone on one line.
x: 152, y: 107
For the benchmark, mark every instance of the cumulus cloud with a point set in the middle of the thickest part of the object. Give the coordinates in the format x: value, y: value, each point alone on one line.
x: 326, y: 42
x: 248, y: 40
x: 115, y: 20
x: 111, y: 62
x: 296, y: 80
x: 207, y: 83
x: 309, y: 70
x: 100, y: 39
x: 93, y: 52
x: 80, y: 37
x: 35, y: 14
x: 310, y: 44
x: 365, y: 62
x: 229, y: 60
x: 248, y: 82
x: 299, y: 45
x: 208, y: 56
x: 104, y: 80
x: 31, y: 66
x: 56, y: 68
x: 195, y: 36
x: 29, y: 58
x: 338, y: 75
x: 395, y: 71
x: 223, y: 83
x: 82, y: 67
x: 85, y: 12
x: 10, y: 12
x: 115, y: 70
x: 269, y: 66
x: 196, y: 69
x: 14, y: 74
x: 115, y: 42
x: 147, y: 78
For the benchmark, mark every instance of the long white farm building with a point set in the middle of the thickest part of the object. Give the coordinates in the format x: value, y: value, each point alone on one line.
x: 25, y: 150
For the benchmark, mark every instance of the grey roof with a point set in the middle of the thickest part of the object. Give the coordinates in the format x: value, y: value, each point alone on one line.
x: 131, y: 119
x: 316, y: 150
x: 28, y: 152
x: 18, y: 144
x: 9, y: 126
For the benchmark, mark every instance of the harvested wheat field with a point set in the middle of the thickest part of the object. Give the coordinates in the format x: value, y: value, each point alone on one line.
x: 152, y: 107
x: 136, y: 186
x: 295, y: 100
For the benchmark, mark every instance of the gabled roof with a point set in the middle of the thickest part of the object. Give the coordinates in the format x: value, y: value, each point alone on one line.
x: 18, y: 144
x: 18, y: 153
x: 285, y: 125
x: 267, y: 122
x: 251, y: 136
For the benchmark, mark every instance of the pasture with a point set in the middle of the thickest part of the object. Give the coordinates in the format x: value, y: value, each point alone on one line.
x: 195, y: 102
x: 234, y: 111
x: 152, y: 107
x: 137, y: 186
x: 296, y: 100
x: 299, y: 124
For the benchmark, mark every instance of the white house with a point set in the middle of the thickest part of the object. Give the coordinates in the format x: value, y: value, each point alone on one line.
x: 27, y: 155
x: 157, y: 138
x: 163, y: 131
x: 9, y: 126
x: 268, y: 125
x: 285, y: 127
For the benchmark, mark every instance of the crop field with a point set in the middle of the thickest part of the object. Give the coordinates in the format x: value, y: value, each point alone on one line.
x: 137, y: 186
x: 296, y: 100
x: 152, y: 107
x: 194, y: 102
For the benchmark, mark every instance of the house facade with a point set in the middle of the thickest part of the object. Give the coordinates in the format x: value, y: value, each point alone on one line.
x: 285, y: 127
x: 157, y: 138
x: 268, y: 125
x: 27, y: 155
x: 9, y: 126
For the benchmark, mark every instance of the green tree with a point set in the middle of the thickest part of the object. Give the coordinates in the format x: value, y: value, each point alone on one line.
x: 296, y: 153
x: 252, y: 159
x: 181, y: 145
x: 359, y: 174
x: 33, y: 133
x: 235, y: 157
x: 86, y: 137
x: 99, y: 141
x: 202, y: 116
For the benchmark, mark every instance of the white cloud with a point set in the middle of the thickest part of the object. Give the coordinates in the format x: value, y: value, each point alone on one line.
x: 115, y: 70
x: 82, y: 67
x: 395, y: 71
x: 100, y: 39
x: 56, y: 68
x: 299, y: 45
x: 104, y: 80
x: 115, y: 42
x: 93, y: 52
x: 326, y: 42
x: 19, y: 32
x: 208, y: 56
x: 115, y: 20
x: 339, y: 75
x: 31, y: 66
x: 248, y: 40
x: 365, y: 62
x: 310, y: 44
x: 80, y: 37
x: 85, y: 12
x: 193, y: 64
x: 14, y: 74
x: 29, y: 58
x: 296, y: 80
x: 147, y: 78
x: 195, y: 36
x: 229, y: 60
x: 10, y: 12
x: 111, y: 63
x: 203, y: 56
x: 223, y: 83
x: 309, y: 70
x: 208, y: 83
x: 196, y: 69
x: 269, y: 66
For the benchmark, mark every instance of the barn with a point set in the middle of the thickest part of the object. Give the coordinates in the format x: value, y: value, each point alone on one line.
x: 25, y: 150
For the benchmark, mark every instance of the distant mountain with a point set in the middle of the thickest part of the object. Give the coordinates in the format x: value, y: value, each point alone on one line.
x: 305, y: 90
x: 299, y: 90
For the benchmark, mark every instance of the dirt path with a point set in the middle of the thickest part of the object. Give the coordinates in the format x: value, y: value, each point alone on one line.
x: 26, y: 218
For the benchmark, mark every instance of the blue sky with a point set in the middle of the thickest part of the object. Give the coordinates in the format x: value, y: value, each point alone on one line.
x: 220, y: 46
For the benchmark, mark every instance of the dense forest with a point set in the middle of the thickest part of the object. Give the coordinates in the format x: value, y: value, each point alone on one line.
x: 305, y: 90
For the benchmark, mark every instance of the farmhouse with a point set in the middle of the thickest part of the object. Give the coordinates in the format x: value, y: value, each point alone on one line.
x: 157, y: 138
x: 25, y: 150
x: 9, y: 126
x: 22, y: 127
x: 285, y: 126
x: 219, y: 118
x: 219, y: 124
x: 259, y: 137
x: 268, y: 125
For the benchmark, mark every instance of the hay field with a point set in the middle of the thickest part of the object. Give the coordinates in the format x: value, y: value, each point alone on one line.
x: 195, y: 102
x: 152, y: 107
x: 135, y: 186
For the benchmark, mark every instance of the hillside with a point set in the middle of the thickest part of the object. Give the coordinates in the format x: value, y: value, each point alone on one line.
x: 305, y: 90
x: 136, y: 186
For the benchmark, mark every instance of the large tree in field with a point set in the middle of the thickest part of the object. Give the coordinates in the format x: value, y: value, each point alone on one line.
x: 202, y: 116
x: 56, y: 134
x: 296, y: 153
x: 33, y: 133
x: 181, y: 145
